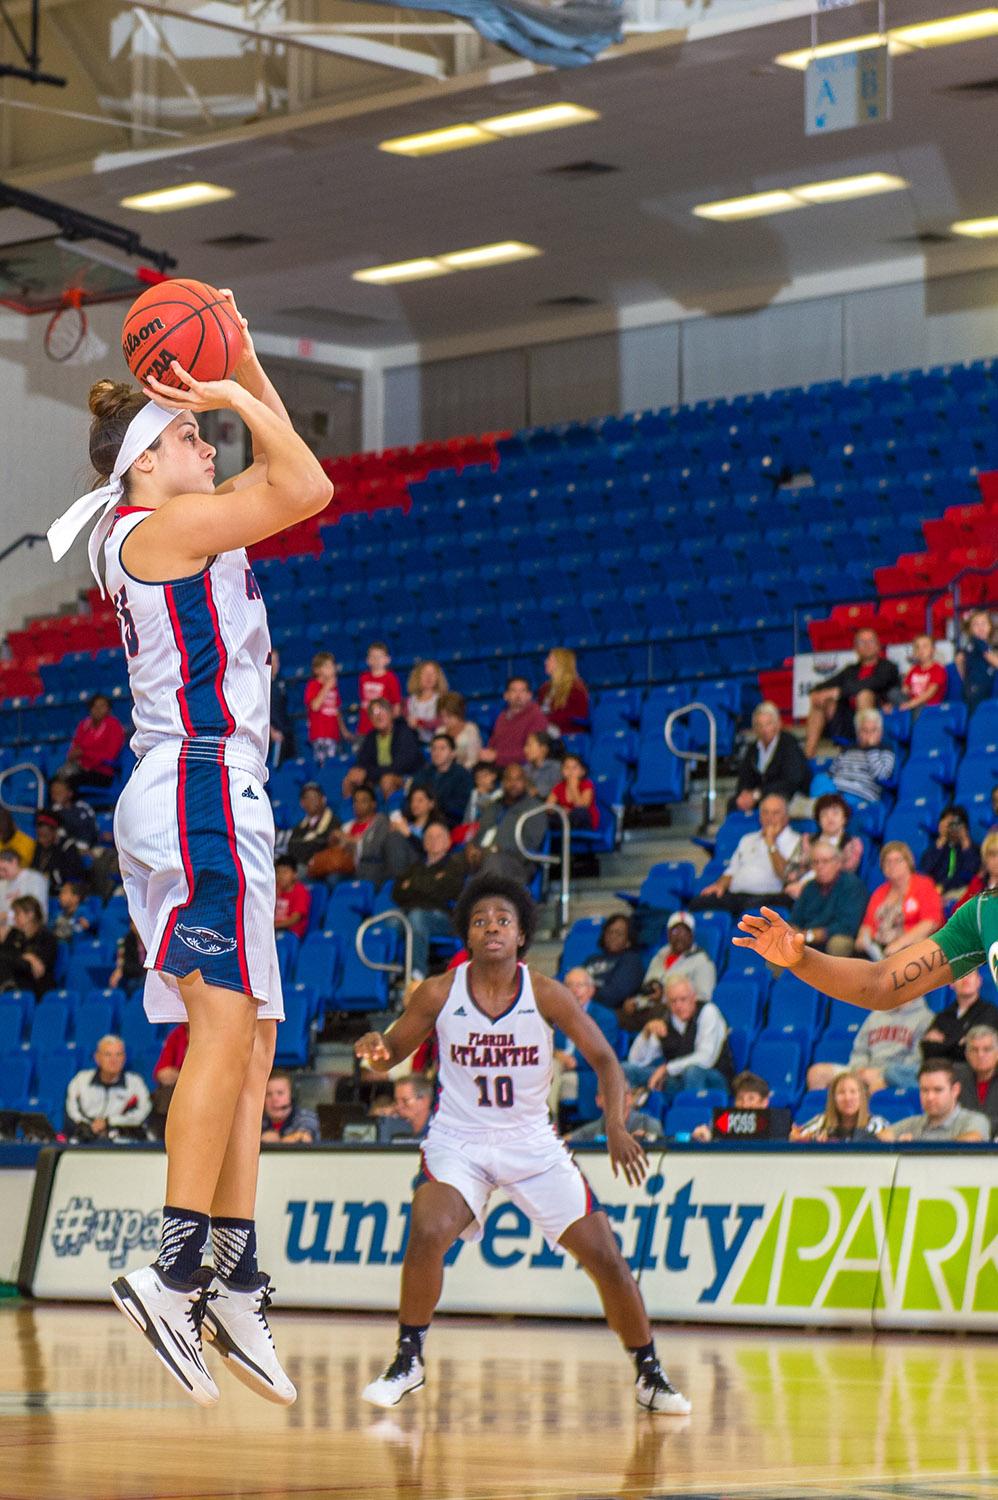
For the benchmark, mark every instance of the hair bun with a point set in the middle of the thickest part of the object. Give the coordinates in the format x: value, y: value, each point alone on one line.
x: 107, y: 397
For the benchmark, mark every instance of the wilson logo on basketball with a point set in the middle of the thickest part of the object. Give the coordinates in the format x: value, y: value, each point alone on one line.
x: 204, y: 940
x: 134, y: 341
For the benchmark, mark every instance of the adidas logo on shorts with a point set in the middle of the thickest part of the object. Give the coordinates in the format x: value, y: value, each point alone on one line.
x: 249, y: 792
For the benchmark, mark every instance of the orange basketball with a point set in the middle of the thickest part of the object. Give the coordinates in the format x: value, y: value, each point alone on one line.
x: 188, y: 321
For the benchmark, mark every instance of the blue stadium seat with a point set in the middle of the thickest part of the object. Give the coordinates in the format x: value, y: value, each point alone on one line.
x: 319, y: 963
x: 288, y: 946
x: 53, y: 1072
x: 660, y: 776
x: 49, y: 1030
x: 793, y: 1003
x: 361, y: 988
x: 294, y: 1033
x: 778, y: 1061
x: 740, y: 1041
x: 739, y: 1003
x: 356, y: 896
x: 15, y: 1078
x: 983, y: 730
x: 671, y: 875
x: 581, y: 941
x: 938, y: 725
x: 835, y: 1045
x: 895, y: 1104
x: 94, y: 1019
x: 683, y: 1119
x: 813, y: 1103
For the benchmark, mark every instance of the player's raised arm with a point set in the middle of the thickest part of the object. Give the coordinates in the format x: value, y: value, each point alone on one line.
x: 561, y: 1010
x: 883, y: 985
x: 251, y: 375
x: 384, y: 1050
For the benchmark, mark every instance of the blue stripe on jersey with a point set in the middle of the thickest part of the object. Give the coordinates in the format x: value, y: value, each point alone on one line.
x: 203, y: 657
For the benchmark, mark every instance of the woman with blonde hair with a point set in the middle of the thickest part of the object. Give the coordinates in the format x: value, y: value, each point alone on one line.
x: 903, y: 910
x: 846, y: 1114
x: 986, y: 878
x: 426, y: 686
x: 564, y: 697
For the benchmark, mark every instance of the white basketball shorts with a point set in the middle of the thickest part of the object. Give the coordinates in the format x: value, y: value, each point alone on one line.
x: 538, y: 1173
x: 195, y: 839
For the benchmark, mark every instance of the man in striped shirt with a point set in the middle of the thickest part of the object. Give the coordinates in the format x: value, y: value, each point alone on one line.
x: 865, y: 770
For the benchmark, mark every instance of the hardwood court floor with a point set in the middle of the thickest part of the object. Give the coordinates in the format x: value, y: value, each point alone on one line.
x: 511, y: 1411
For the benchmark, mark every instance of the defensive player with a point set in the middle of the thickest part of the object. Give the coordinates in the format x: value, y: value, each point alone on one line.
x: 193, y: 826
x: 968, y: 939
x: 491, y: 1129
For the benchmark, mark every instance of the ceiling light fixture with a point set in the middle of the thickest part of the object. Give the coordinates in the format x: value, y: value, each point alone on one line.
x: 972, y: 26
x: 483, y: 132
x: 478, y: 256
x: 184, y: 195
x: 806, y: 195
x: 977, y: 229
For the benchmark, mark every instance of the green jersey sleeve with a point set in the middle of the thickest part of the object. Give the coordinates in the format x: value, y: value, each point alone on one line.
x: 961, y: 939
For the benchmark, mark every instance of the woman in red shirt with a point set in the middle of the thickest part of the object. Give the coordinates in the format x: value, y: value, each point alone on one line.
x: 96, y: 747
x: 906, y: 908
x: 576, y: 793
x: 564, y: 697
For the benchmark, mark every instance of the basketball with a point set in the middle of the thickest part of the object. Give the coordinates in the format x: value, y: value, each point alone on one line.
x: 187, y: 321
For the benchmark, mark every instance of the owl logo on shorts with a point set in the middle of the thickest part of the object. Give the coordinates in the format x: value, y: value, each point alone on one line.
x: 205, y: 940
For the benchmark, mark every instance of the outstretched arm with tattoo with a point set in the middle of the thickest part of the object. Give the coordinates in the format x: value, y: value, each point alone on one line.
x: 878, y: 986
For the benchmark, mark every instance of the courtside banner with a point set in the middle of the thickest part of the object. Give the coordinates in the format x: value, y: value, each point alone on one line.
x: 828, y: 1238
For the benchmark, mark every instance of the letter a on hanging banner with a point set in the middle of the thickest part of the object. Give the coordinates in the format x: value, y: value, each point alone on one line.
x: 853, y: 88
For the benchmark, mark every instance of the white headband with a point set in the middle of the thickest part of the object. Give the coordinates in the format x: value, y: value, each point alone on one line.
x: 143, y: 430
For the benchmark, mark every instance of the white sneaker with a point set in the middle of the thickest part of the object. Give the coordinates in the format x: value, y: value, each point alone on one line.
x: 655, y: 1392
x: 235, y: 1324
x: 404, y: 1374
x: 170, y: 1318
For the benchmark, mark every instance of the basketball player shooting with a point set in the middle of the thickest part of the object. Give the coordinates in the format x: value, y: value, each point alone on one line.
x: 193, y: 826
x: 491, y: 1129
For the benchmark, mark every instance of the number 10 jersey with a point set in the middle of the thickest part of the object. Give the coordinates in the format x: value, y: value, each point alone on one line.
x: 495, y: 1073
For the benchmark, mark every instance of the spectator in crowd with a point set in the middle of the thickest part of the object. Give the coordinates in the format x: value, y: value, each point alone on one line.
x: 283, y: 743
x: 543, y: 769
x: 864, y: 770
x: 749, y: 1091
x: 617, y: 967
x: 846, y: 1115
x: 76, y: 818
x: 72, y: 920
x: 887, y: 1050
x: 284, y: 1122
x: 978, y: 1076
x: 171, y: 1057
x: 986, y: 878
x: 868, y: 682
x: 494, y: 846
x: 389, y: 753
x: 687, y: 1049
x: 681, y: 955
x: 829, y: 909
x: 12, y: 837
x: 311, y: 832
x: 466, y: 735
x: 953, y: 859
x: 426, y: 686
x: 411, y: 821
x: 485, y: 790
x: 645, y: 1127
x: 832, y: 814
x: 773, y: 762
x: 576, y: 793
x: 520, y: 717
x: 445, y: 779
x: 129, y: 962
x: 977, y: 659
x: 326, y: 728
x: 565, y: 1062
x: 96, y: 747
x: 925, y: 682
x: 951, y: 1027
x: 56, y: 857
x: 28, y: 949
x: 427, y: 891
x: 564, y: 698
x: 16, y: 881
x: 103, y: 1100
x: 755, y: 873
x: 378, y: 682
x: 901, y: 911
x: 414, y: 1104
x: 943, y: 1117
x: 294, y: 899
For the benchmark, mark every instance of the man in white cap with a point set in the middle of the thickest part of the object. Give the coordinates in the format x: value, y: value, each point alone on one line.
x: 681, y: 955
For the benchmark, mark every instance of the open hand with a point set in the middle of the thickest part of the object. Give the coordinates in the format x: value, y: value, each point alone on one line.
x: 191, y: 394
x: 373, y: 1050
x: 627, y: 1155
x: 771, y: 937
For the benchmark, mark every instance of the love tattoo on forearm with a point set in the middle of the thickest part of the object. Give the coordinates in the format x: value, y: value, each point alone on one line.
x: 916, y: 967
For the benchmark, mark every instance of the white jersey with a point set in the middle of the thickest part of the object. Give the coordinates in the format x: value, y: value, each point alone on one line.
x: 198, y: 650
x: 495, y: 1074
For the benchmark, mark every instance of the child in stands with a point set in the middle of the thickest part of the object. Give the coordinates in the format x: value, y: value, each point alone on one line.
x: 378, y: 682
x: 322, y: 699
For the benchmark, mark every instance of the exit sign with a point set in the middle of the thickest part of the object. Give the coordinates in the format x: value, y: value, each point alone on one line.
x: 853, y: 88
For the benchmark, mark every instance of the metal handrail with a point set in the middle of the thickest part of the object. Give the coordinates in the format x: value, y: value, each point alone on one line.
x: 710, y: 757
x: 29, y: 539
x: 393, y: 914
x: 564, y: 897
x: 25, y: 765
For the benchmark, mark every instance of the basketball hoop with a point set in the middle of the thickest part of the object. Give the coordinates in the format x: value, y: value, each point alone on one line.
x: 67, y: 327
